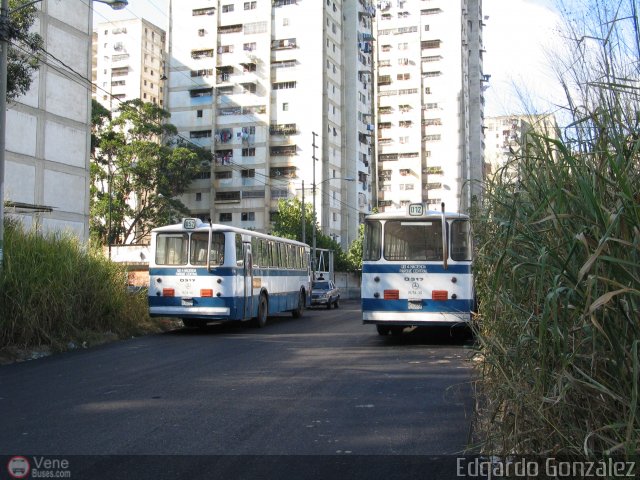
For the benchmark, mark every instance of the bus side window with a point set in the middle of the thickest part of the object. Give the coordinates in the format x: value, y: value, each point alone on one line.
x: 255, y: 252
x: 239, y: 251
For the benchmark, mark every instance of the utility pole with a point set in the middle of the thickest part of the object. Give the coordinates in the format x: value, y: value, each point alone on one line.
x: 304, y: 220
x: 313, y: 247
x: 4, y: 45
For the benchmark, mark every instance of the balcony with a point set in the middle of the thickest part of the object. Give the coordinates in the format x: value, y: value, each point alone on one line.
x: 283, y: 129
x: 283, y: 151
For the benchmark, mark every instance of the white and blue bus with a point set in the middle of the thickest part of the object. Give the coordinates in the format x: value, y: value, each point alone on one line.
x: 205, y: 273
x: 414, y: 271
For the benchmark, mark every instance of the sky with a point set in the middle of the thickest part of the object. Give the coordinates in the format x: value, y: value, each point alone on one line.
x: 517, y: 38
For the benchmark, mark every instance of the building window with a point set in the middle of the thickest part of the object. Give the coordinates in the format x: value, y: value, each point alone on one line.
x: 197, y: 54
x: 203, y: 11
x: 285, y: 106
x: 198, y: 196
x: 283, y: 63
x: 249, y: 152
x: 199, y: 113
x: 283, y: 44
x: 248, y: 216
x: 224, y: 175
x: 284, y: 85
x: 201, y: 92
x: 227, y: 8
x: 250, y: 5
x: 248, y: 173
x: 430, y: 44
x: 201, y: 32
x: 200, y: 134
x: 225, y: 217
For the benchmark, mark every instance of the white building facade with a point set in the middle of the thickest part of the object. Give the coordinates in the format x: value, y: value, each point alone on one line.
x: 429, y: 103
x: 128, y: 62
x: 265, y: 86
x: 48, y: 128
x: 506, y: 136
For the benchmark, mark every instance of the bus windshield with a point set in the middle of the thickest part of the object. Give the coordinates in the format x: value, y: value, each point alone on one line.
x: 413, y: 240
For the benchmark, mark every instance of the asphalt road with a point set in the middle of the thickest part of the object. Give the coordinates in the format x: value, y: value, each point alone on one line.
x: 308, y: 397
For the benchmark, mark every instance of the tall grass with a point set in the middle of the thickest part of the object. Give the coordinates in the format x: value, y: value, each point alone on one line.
x: 558, y: 275
x: 53, y: 291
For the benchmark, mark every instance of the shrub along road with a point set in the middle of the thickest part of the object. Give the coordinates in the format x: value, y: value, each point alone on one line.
x: 323, y: 385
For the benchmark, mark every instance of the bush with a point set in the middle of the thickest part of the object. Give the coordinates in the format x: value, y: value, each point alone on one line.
x: 53, y: 291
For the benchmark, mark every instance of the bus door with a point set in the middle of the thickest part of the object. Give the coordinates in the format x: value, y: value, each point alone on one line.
x: 248, y: 281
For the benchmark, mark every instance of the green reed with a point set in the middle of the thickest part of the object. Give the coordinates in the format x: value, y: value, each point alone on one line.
x: 54, y: 291
x: 558, y: 275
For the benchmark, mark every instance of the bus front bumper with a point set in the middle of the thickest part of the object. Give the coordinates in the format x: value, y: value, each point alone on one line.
x: 415, y: 318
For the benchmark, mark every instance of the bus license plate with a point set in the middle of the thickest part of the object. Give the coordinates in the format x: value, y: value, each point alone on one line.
x: 415, y: 304
x: 187, y: 302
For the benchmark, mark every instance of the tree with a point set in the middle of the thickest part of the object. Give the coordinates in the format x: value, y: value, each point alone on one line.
x: 354, y: 255
x: 139, y: 168
x: 23, y: 50
x: 288, y: 224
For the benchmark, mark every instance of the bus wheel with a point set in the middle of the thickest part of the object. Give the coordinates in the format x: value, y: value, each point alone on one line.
x: 263, y: 307
x: 297, y: 313
x: 395, y: 331
x: 383, y: 330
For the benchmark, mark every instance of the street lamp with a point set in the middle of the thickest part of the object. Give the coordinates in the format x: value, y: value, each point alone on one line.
x: 314, y: 185
x: 4, y: 47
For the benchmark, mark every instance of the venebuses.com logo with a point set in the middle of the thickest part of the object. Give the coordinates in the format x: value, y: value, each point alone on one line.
x: 38, y: 467
x: 18, y: 467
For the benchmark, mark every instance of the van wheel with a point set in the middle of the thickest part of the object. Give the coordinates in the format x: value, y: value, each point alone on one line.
x: 263, y: 308
x: 297, y: 313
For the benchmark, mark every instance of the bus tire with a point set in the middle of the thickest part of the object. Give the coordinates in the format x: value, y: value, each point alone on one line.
x: 298, y: 311
x: 383, y: 330
x: 263, y: 309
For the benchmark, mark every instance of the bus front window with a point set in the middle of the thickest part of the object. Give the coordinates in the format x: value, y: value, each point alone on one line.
x: 413, y: 240
x: 171, y: 248
x: 461, y: 240
x: 372, y: 240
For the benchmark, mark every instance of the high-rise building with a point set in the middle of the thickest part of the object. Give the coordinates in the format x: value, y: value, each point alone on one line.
x: 128, y: 62
x: 429, y: 102
x: 506, y: 137
x: 48, y: 129
x: 280, y: 91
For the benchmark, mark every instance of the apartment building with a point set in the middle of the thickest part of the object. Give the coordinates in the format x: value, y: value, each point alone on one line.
x: 429, y: 142
x: 506, y: 136
x: 265, y: 85
x: 48, y: 129
x: 128, y: 62
x: 358, y: 112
